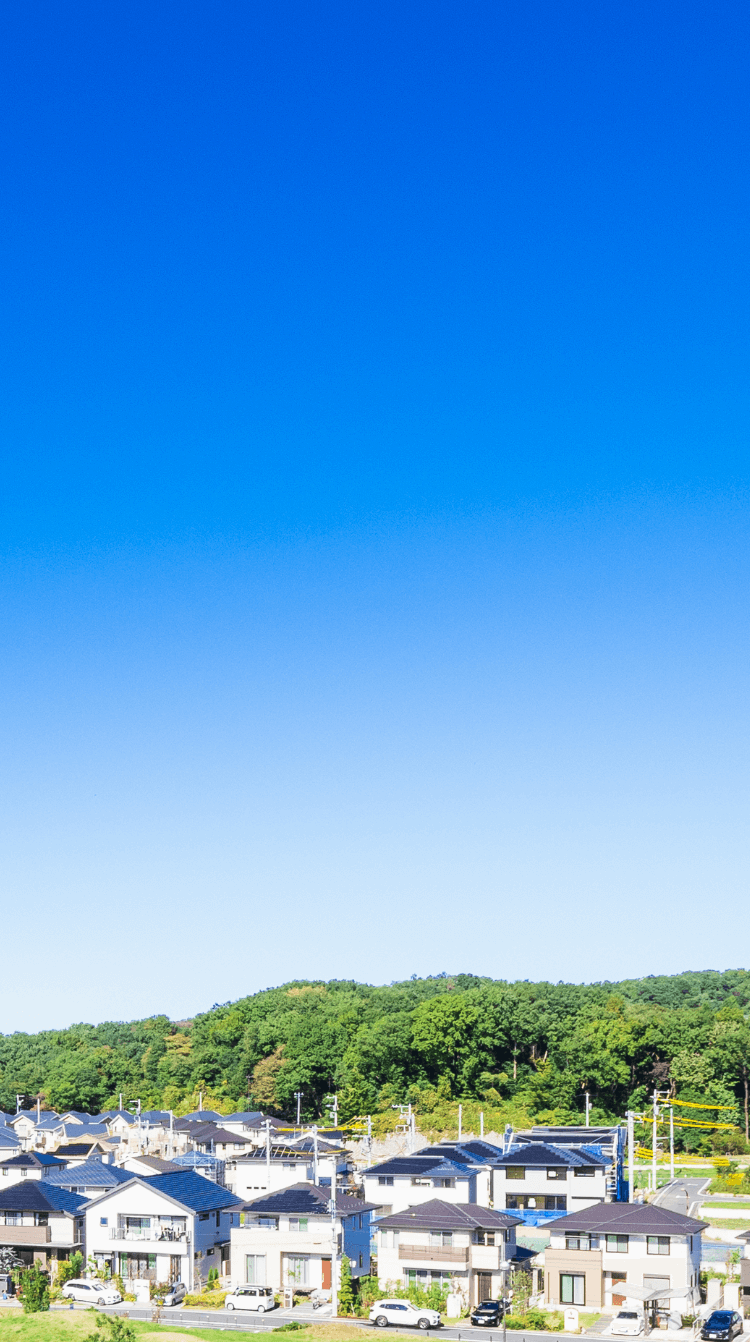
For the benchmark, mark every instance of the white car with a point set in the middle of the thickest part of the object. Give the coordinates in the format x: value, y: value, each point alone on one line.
x: 259, y: 1298
x: 628, y: 1323
x: 92, y: 1292
x: 402, y: 1314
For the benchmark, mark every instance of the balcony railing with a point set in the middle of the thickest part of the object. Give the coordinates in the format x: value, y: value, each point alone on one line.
x: 25, y: 1234
x: 421, y: 1253
x: 150, y: 1234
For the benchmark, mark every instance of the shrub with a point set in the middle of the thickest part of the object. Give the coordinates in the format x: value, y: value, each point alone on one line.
x: 34, y: 1290
x: 112, y: 1328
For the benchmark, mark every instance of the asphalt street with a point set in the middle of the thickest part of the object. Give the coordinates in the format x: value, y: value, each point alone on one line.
x: 682, y: 1195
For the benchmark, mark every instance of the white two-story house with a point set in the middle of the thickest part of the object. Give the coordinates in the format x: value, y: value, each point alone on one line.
x: 620, y: 1253
x: 405, y: 1181
x: 290, y: 1239
x: 162, y: 1228
x: 539, y: 1183
x: 464, y: 1247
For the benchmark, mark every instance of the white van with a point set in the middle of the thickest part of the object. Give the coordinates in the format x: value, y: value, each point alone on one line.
x: 258, y: 1298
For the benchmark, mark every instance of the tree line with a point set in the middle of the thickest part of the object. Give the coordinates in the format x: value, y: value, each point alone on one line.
x: 520, y: 1051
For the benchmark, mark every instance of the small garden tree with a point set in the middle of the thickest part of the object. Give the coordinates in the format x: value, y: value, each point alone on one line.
x: 346, y: 1292
x: 112, y: 1328
x: 34, y: 1290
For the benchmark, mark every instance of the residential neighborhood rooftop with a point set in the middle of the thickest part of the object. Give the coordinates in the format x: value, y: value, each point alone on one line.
x: 635, y: 1218
x: 440, y: 1215
x: 307, y: 1198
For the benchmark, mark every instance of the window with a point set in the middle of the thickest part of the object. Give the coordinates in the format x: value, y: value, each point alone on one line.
x: 385, y: 1180
x: 421, y: 1183
x: 441, y: 1238
x: 255, y: 1269
x: 617, y: 1243
x: 584, y: 1173
x: 572, y: 1288
x: 577, y: 1241
x: 218, y: 1218
x: 103, y: 1220
x: 361, y: 1260
x: 13, y: 1219
x: 444, y: 1183
x: 515, y: 1172
x: 657, y: 1244
x: 41, y: 1218
x: 297, y: 1270
x: 484, y: 1237
x: 536, y: 1202
x: 203, y: 1216
x: 298, y: 1223
x: 269, y: 1222
x: 557, y: 1174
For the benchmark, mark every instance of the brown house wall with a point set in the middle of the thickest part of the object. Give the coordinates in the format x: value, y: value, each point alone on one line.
x: 587, y: 1261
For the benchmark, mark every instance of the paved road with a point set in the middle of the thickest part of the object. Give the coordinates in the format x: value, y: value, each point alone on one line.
x: 234, y: 1322
x: 682, y: 1195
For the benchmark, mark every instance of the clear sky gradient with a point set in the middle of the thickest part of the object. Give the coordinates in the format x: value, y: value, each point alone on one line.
x: 374, y: 508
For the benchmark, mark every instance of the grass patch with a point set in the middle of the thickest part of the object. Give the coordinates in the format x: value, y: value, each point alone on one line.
x: 738, y: 1205
x: 64, y: 1325
x: 727, y: 1223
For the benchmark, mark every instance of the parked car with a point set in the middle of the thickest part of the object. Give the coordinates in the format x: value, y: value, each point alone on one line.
x: 259, y: 1298
x: 628, y: 1323
x: 723, y: 1324
x: 404, y: 1314
x: 489, y: 1313
x: 92, y: 1292
x: 175, y: 1294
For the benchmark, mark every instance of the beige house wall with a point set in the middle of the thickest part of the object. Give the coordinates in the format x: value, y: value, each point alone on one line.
x: 586, y: 1261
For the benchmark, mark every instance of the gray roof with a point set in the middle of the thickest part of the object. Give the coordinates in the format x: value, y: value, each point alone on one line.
x: 434, y: 1163
x: 33, y: 1160
x: 628, y: 1218
x: 309, y: 1199
x: 9, y: 1138
x: 540, y: 1153
x: 36, y: 1195
x: 242, y: 1117
x: 156, y: 1164
x: 89, y: 1174
x: 203, y: 1116
x: 439, y: 1215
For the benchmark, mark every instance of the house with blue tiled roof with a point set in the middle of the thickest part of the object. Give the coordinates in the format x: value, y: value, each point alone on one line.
x: 289, y: 1240
x: 42, y: 1224
x: 162, y: 1228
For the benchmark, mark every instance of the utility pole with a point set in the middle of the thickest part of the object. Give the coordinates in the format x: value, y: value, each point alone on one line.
x: 268, y: 1154
x: 481, y: 1124
x: 369, y: 1140
x: 631, y: 1158
x: 315, y: 1155
x: 334, y: 1245
x: 171, y: 1134
x: 653, y: 1140
x: 671, y: 1141
x: 460, y: 1119
x: 588, y: 1108
x: 298, y: 1097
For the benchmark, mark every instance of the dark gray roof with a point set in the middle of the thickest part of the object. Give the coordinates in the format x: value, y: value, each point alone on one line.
x: 310, y: 1199
x: 439, y: 1215
x: 154, y: 1116
x: 78, y: 1149
x: 247, y: 1117
x: 36, y: 1195
x: 411, y: 1165
x: 628, y: 1218
x: 540, y: 1153
x: 156, y: 1164
x: 89, y: 1174
x: 203, y: 1116
x: 31, y: 1160
x: 205, y: 1133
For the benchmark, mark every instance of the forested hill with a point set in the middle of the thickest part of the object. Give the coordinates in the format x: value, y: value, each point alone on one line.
x: 516, y: 1050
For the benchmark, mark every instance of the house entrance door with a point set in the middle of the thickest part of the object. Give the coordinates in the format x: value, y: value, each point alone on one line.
x: 483, y: 1287
x: 326, y: 1274
x: 174, y: 1267
x: 618, y: 1288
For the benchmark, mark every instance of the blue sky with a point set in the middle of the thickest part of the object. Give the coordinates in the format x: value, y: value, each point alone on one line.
x: 374, y: 403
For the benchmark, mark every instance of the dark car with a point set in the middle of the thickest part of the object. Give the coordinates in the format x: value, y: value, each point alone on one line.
x: 723, y: 1324
x: 488, y: 1314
